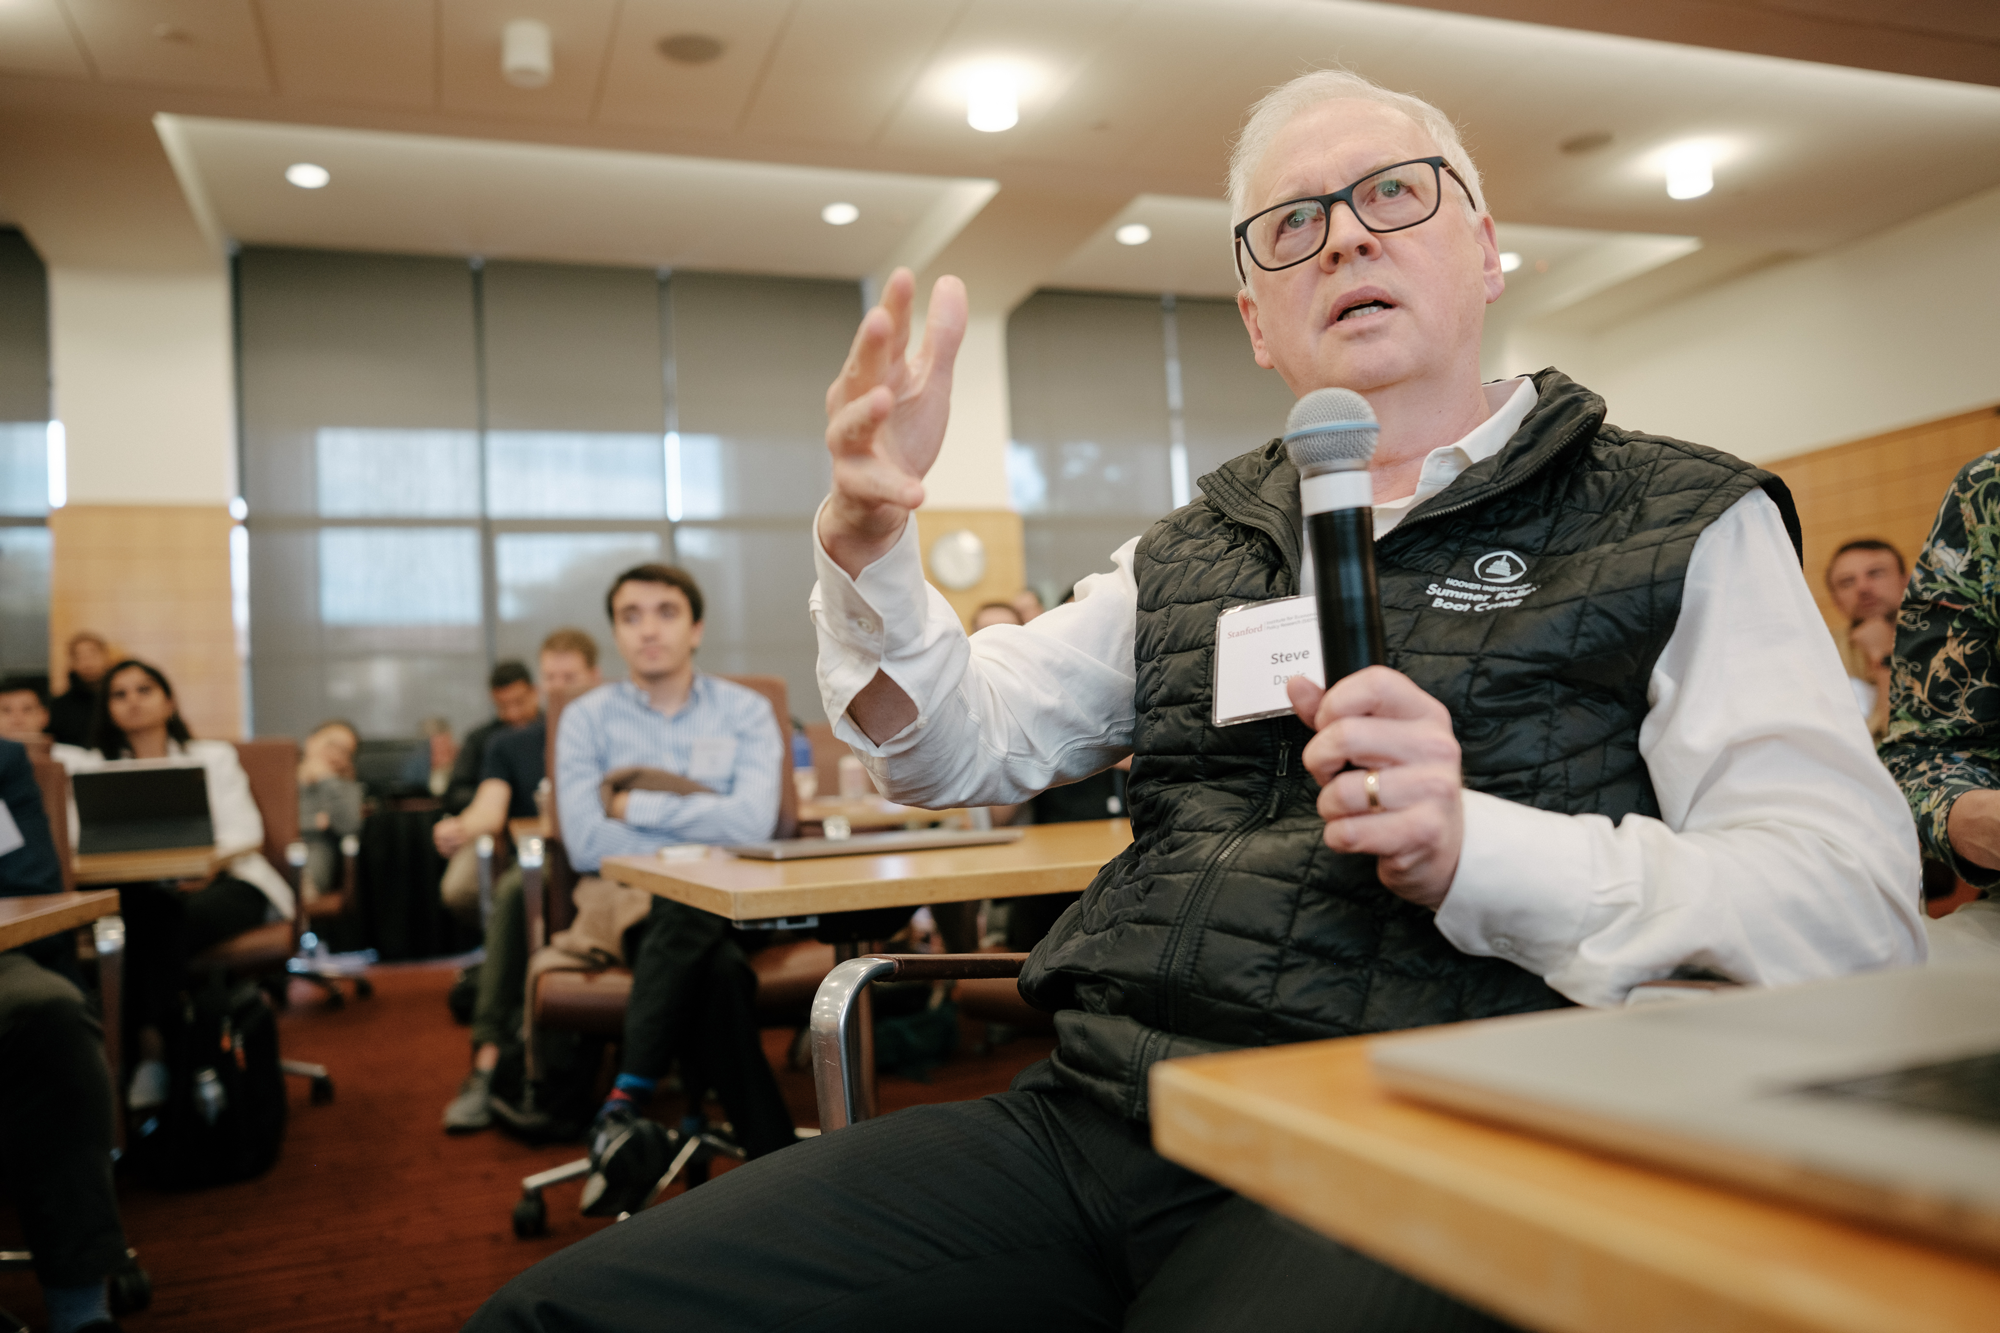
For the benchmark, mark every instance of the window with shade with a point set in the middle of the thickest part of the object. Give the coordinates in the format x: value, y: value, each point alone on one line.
x: 1120, y: 405
x: 443, y: 462
x: 24, y: 459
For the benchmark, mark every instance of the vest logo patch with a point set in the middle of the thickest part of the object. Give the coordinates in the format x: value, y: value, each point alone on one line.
x: 1495, y: 585
x: 1500, y: 567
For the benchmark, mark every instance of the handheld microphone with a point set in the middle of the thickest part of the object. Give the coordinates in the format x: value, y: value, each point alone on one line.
x: 1330, y: 438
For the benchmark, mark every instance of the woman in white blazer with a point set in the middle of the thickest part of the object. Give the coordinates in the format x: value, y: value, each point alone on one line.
x: 166, y: 924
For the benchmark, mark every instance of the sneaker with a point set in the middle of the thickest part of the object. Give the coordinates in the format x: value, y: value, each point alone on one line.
x: 628, y: 1155
x: 472, y: 1109
x: 148, y: 1087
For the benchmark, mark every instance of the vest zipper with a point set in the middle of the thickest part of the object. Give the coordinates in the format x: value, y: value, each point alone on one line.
x: 1195, y: 916
x: 1510, y: 484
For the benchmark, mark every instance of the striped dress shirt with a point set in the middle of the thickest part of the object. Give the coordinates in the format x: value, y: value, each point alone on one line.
x: 725, y: 737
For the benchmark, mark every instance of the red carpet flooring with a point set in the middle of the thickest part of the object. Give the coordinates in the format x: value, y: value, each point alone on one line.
x: 373, y: 1218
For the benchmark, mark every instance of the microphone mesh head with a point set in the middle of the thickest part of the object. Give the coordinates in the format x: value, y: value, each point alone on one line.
x: 1330, y: 428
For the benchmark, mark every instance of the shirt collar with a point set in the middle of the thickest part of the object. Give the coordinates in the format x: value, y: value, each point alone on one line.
x: 696, y: 692
x: 1508, y: 403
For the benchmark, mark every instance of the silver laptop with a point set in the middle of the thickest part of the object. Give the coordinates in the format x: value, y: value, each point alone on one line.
x: 1876, y: 1095
x: 873, y: 844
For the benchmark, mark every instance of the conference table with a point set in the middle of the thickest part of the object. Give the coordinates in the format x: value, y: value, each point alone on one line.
x: 1543, y: 1234
x: 1047, y: 858
x: 25, y: 920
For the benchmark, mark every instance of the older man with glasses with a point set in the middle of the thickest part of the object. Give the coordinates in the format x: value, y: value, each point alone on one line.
x: 1638, y: 760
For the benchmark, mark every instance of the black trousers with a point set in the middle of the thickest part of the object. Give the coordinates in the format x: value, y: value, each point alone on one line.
x: 55, y: 1125
x: 694, y: 998
x: 165, y: 927
x: 1025, y: 1210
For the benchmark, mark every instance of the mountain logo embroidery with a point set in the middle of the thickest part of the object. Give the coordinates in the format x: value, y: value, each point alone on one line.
x: 1499, y: 567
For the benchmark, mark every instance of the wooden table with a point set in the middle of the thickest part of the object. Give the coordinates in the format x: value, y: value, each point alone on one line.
x: 1543, y: 1234
x: 164, y: 863
x: 864, y: 813
x: 1049, y: 858
x: 25, y: 920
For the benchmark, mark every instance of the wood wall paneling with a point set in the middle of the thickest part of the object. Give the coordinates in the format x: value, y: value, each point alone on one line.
x: 1886, y: 486
x: 1006, y: 564
x: 153, y: 579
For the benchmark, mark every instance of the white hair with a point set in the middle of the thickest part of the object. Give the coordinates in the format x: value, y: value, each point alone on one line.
x: 1281, y: 104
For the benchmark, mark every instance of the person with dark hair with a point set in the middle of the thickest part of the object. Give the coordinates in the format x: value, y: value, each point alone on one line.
x: 137, y: 719
x: 24, y: 709
x: 1866, y: 577
x: 55, y: 1094
x: 70, y: 713
x: 672, y: 755
x: 996, y: 613
x: 515, y: 704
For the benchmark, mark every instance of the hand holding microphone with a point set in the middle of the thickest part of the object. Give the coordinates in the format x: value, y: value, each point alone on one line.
x: 1384, y: 754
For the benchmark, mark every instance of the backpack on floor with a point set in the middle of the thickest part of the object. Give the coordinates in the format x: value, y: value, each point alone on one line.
x: 224, y: 1117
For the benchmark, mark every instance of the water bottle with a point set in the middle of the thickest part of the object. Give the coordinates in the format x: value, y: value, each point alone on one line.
x: 209, y: 1095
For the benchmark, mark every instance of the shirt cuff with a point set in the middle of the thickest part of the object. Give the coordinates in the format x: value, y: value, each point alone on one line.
x: 1979, y: 877
x: 1523, y: 887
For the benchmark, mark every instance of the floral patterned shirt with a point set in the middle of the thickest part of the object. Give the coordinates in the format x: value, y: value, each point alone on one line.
x: 1944, y: 703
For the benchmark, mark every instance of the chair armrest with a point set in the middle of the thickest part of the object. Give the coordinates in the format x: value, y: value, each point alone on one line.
x: 533, y: 896
x: 843, y: 1054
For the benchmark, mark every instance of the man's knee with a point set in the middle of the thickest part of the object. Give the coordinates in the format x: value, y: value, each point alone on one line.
x: 34, y: 999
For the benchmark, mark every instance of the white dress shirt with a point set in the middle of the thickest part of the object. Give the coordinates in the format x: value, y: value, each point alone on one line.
x: 1783, y: 852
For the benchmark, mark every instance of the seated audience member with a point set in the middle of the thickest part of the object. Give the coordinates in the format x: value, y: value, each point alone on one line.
x: 24, y: 710
x: 1643, y: 762
x: 430, y: 765
x: 1866, y: 578
x: 515, y: 765
x: 55, y: 1094
x: 167, y: 925
x: 1943, y: 742
x: 1027, y: 604
x: 329, y: 800
x: 71, y: 712
x: 670, y: 756
x: 515, y: 704
x: 996, y: 613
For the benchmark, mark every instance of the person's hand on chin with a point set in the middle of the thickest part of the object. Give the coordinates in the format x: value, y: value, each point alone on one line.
x: 1378, y: 721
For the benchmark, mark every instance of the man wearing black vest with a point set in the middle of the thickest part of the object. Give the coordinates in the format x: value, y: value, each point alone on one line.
x: 1642, y: 760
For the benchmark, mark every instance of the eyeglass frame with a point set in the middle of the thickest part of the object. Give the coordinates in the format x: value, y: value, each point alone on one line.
x: 1344, y: 195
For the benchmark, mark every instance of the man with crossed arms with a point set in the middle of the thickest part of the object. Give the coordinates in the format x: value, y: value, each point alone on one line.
x: 1649, y: 765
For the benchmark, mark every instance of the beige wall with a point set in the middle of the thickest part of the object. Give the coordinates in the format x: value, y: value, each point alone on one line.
x: 971, y: 468
x: 1893, y: 330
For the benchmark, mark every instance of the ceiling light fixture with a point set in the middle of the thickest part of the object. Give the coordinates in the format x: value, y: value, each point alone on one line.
x: 691, y: 48
x: 1133, y: 233
x: 1690, y: 171
x: 992, y: 99
x: 527, y: 53
x: 839, y: 215
x: 1509, y: 261
x: 308, y: 175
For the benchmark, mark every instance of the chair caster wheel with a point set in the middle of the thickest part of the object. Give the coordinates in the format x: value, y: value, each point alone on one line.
x: 130, y: 1289
x: 322, y: 1092
x: 364, y: 989
x: 531, y: 1218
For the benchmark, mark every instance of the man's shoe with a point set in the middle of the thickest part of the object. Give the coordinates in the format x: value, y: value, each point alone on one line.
x: 628, y: 1155
x: 472, y: 1109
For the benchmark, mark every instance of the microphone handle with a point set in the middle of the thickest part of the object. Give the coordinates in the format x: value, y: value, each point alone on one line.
x: 1350, y: 608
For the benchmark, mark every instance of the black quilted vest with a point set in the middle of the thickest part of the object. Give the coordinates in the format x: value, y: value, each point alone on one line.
x: 1531, y: 597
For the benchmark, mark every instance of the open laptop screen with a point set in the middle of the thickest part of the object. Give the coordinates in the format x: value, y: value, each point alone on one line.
x: 142, y: 809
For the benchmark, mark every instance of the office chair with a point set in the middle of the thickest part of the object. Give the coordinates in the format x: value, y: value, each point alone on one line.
x: 594, y: 1002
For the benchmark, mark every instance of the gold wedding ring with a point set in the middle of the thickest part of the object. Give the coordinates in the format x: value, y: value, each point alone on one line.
x: 1373, y: 786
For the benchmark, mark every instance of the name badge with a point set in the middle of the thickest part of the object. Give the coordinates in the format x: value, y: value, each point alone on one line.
x: 1257, y: 649
x: 713, y: 760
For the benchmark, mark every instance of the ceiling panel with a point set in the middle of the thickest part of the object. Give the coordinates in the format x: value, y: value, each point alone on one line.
x: 643, y: 87
x: 1188, y: 252
x: 210, y: 44
x: 358, y: 52
x: 423, y: 194
x: 35, y: 40
x: 469, y: 63
x: 842, y: 66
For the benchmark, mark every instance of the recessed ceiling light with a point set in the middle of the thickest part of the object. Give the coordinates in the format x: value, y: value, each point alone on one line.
x: 1133, y: 233
x: 527, y: 53
x: 992, y: 99
x: 839, y: 215
x: 1690, y: 170
x: 308, y: 175
x: 1509, y: 261
x: 691, y: 48
x: 1587, y: 142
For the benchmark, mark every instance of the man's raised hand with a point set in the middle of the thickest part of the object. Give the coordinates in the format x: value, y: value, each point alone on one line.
x: 886, y: 416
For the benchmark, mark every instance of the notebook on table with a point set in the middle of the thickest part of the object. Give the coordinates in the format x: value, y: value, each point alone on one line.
x: 142, y: 808
x: 873, y: 844
x: 1877, y: 1095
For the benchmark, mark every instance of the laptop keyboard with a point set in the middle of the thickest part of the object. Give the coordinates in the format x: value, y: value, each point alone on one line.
x: 1968, y: 1088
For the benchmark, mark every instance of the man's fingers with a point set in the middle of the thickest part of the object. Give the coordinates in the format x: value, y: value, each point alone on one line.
x: 944, y: 329
x: 1407, y: 835
x: 869, y: 481
x: 877, y: 345
x: 1305, y: 697
x: 1346, y: 796
x: 1377, y: 742
x: 1377, y: 691
x: 851, y: 431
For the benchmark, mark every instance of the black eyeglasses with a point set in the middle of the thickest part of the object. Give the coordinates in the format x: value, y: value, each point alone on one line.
x: 1395, y: 198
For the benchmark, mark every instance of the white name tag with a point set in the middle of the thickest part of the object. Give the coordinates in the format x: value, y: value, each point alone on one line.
x: 10, y: 832
x: 1257, y: 649
x: 713, y: 760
